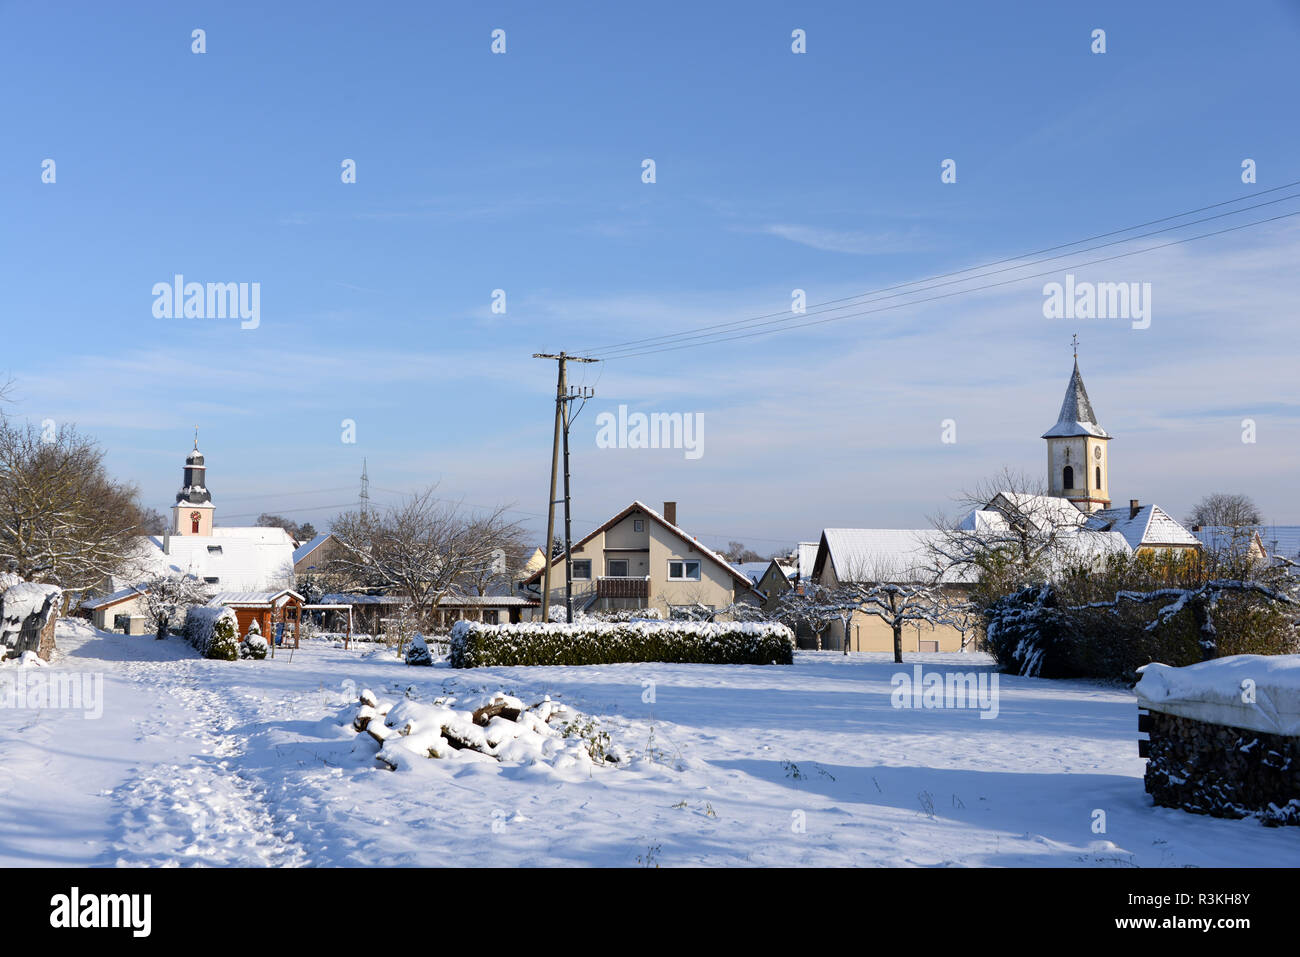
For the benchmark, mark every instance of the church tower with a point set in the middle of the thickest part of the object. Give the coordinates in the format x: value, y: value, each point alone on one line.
x: 1078, y: 461
x: 192, y: 513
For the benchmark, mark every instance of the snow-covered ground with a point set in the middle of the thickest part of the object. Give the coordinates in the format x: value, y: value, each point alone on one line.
x: 255, y: 762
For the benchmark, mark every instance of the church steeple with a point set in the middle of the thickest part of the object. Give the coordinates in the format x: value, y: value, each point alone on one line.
x: 1078, y: 464
x: 193, y: 511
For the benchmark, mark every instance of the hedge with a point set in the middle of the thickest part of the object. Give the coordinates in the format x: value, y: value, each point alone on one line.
x: 214, y: 632
x: 476, y: 645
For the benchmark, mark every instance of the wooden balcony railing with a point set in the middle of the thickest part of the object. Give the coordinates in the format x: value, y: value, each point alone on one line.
x: 623, y: 588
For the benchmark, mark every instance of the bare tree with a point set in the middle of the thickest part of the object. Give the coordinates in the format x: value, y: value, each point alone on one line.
x: 63, y: 520
x: 1225, y: 509
x: 423, y: 548
x: 1009, y: 532
x: 810, y: 604
x: 166, y: 597
x: 896, y: 592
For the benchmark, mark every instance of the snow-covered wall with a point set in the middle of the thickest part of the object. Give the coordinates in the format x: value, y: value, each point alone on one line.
x: 1225, y: 736
x: 1260, y: 692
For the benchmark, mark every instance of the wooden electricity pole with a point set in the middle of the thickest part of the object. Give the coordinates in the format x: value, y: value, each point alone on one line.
x: 562, y: 398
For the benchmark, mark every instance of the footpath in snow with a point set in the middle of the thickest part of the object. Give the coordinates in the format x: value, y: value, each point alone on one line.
x: 256, y: 763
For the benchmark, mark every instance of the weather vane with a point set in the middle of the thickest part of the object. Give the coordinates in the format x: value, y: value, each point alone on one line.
x: 1074, y: 341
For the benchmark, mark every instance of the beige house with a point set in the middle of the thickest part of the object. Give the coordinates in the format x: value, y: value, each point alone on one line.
x: 870, y: 555
x: 640, y: 558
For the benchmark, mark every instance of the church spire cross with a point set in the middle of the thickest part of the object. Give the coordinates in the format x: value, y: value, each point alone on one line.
x: 1074, y: 342
x: 196, y: 438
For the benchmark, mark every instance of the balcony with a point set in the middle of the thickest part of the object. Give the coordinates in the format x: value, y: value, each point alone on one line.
x: 636, y: 588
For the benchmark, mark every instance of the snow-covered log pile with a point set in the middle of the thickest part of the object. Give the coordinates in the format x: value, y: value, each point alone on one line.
x: 494, y: 727
x: 28, y: 612
x: 475, y: 645
x: 1225, y: 736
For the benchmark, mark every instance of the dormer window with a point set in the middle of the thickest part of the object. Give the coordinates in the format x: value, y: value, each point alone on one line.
x: 214, y: 549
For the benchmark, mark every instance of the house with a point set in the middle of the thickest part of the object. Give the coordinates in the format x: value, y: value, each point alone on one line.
x: 886, y: 555
x: 641, y: 558
x: 313, y: 557
x: 223, y: 558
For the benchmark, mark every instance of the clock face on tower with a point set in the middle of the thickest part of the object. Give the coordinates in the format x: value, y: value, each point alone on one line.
x: 1096, y: 453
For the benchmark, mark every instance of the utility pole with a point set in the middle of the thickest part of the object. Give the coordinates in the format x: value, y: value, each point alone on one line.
x: 562, y: 398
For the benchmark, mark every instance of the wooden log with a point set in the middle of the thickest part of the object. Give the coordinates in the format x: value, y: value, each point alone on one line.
x: 489, y: 711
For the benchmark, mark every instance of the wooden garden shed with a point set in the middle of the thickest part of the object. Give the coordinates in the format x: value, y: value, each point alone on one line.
x: 274, y: 612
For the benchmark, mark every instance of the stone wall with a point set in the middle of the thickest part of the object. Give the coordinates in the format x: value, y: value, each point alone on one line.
x: 1223, y: 771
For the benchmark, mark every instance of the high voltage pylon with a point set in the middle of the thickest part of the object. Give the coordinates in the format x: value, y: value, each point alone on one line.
x: 563, y: 396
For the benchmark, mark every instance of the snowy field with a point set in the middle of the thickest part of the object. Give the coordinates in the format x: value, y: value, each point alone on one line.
x: 256, y: 763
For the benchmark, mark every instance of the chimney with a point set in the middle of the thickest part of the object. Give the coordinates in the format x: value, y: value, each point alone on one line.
x: 167, y: 540
x: 670, y: 512
x: 1133, y: 508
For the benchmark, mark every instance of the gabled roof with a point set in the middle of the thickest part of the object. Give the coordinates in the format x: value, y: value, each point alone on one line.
x: 257, y: 598
x: 241, y: 559
x: 1151, y: 527
x: 302, y: 551
x: 753, y: 570
x: 1077, y: 417
x: 674, y: 529
x: 885, y: 554
x: 1041, y: 511
x: 116, y: 598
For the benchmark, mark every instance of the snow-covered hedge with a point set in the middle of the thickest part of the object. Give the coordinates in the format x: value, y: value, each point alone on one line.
x: 214, y: 632
x: 475, y: 645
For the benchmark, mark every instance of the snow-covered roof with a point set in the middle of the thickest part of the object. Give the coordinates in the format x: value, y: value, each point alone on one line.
x: 121, y: 595
x: 1281, y: 540
x: 1077, y: 417
x: 302, y: 551
x: 885, y: 554
x: 228, y: 598
x: 752, y: 570
x: 240, y: 559
x: 1227, y: 538
x: 1042, y: 511
x: 1151, y: 527
x: 459, y: 601
x: 805, y: 558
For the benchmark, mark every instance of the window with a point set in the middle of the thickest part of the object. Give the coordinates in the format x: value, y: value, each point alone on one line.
x: 1067, y: 477
x: 212, y: 580
x: 582, y: 568
x: 1098, y: 476
x: 214, y: 549
x: 638, y: 524
x: 617, y: 567
x: 684, y: 571
x: 490, y: 616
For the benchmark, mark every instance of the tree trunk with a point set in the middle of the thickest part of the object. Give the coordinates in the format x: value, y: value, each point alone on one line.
x: 848, y: 625
x: 898, y: 642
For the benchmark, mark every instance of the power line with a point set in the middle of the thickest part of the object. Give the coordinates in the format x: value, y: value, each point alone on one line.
x: 715, y: 338
x: 615, y: 350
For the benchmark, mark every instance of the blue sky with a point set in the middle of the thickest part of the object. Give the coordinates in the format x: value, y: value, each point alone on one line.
x: 522, y: 172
